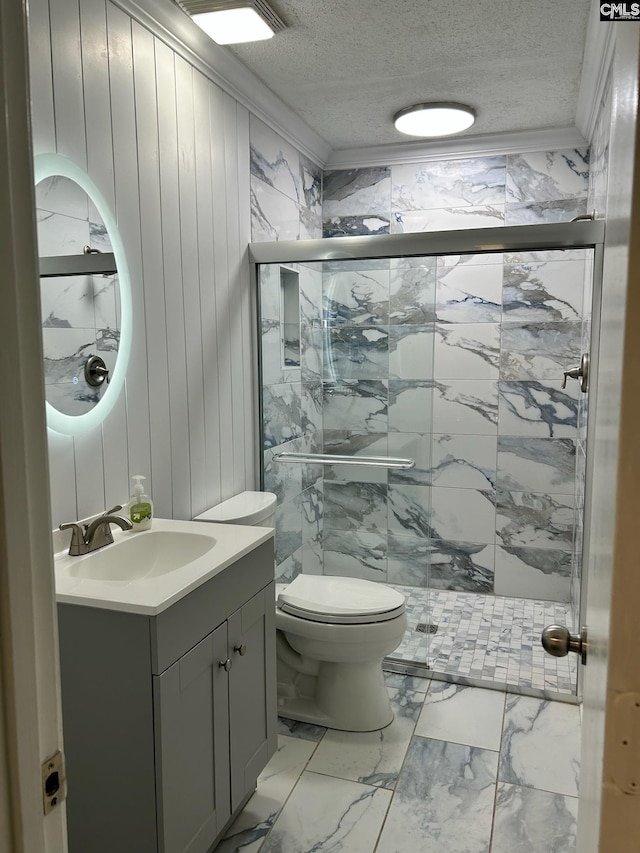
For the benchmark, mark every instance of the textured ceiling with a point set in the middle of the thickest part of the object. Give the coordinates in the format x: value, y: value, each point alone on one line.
x: 346, y: 66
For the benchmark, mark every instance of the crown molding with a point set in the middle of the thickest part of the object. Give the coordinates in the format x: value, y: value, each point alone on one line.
x: 481, y: 145
x: 166, y: 20
x: 598, y: 55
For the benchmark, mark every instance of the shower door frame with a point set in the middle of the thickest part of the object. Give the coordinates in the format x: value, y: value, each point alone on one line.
x: 581, y: 234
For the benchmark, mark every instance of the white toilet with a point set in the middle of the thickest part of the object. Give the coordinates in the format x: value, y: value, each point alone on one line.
x: 256, y: 509
x: 332, y: 636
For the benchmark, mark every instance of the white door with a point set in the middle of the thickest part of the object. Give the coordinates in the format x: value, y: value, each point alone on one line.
x: 30, y: 722
x: 609, y: 812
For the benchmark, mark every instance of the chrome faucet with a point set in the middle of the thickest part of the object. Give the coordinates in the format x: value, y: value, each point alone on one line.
x: 86, y: 538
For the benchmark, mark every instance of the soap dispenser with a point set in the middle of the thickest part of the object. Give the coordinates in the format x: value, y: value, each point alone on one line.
x: 140, y: 505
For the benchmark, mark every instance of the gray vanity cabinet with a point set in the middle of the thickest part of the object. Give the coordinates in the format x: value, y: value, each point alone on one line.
x: 192, y: 746
x: 212, y: 732
x: 169, y: 719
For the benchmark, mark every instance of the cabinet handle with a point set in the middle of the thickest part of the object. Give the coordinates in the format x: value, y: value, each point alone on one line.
x: 226, y: 664
x: 241, y: 649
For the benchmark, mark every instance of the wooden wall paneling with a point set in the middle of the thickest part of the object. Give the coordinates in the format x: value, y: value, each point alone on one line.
x: 153, y: 270
x: 97, y: 110
x: 62, y: 478
x: 223, y: 320
x: 206, y: 261
x: 67, y: 80
x: 89, y: 472
x: 191, y: 280
x: 40, y: 79
x: 236, y: 283
x: 128, y: 214
x: 177, y: 359
x: 68, y: 91
x: 248, y: 310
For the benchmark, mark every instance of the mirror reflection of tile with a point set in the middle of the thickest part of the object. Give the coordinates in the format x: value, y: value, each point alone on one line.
x: 80, y: 314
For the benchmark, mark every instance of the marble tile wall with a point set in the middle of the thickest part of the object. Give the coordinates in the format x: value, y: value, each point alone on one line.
x: 292, y: 419
x: 80, y: 314
x: 474, y: 347
x: 513, y: 189
x: 456, y: 362
x: 286, y: 189
x: 286, y: 200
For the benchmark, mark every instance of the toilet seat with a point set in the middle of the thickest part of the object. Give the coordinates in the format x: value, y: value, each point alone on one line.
x: 338, y: 600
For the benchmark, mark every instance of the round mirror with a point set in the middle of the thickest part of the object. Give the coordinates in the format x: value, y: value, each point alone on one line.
x: 85, y: 297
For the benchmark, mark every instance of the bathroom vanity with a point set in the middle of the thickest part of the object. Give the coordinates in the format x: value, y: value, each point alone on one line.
x: 169, y: 709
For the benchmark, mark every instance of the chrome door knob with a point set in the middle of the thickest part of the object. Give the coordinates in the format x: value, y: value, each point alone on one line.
x: 241, y: 649
x: 559, y: 641
x: 226, y: 664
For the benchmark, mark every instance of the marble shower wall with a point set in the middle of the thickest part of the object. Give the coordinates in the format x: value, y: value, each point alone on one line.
x: 286, y: 189
x: 80, y: 314
x: 457, y: 362
x: 286, y: 197
x: 512, y: 189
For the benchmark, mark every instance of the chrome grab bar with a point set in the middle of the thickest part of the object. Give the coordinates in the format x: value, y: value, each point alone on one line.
x: 340, y: 459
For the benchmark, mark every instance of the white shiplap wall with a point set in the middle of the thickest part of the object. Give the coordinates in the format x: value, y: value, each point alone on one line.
x: 170, y: 152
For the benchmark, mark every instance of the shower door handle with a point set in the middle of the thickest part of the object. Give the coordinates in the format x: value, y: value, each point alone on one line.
x: 581, y: 373
x: 558, y: 641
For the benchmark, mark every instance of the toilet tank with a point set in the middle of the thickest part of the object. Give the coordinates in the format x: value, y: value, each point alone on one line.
x: 254, y: 508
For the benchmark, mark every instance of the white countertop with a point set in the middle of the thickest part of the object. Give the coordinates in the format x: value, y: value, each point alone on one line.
x: 152, y: 594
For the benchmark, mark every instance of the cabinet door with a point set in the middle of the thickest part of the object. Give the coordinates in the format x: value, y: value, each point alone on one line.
x: 192, y: 747
x: 252, y: 691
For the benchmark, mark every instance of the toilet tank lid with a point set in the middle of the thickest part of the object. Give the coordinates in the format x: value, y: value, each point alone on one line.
x: 245, y: 508
x: 336, y: 595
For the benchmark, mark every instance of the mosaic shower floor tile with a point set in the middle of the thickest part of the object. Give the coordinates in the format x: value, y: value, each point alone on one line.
x: 485, y: 637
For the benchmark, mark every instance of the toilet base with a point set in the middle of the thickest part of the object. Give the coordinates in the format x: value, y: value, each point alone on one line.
x: 343, y: 696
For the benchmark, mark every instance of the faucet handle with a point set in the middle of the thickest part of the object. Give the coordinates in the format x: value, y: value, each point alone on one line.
x: 78, y: 542
x: 113, y: 509
x: 572, y: 373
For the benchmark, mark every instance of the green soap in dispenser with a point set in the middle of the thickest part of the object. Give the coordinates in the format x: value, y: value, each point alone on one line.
x: 140, y: 505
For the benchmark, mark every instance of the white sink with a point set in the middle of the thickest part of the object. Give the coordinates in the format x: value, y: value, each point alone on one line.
x: 147, y: 571
x: 155, y: 553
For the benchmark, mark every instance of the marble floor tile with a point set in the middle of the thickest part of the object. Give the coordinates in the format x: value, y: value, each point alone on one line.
x: 296, y: 729
x: 467, y: 715
x: 407, y: 683
x: 530, y: 821
x: 443, y: 801
x: 326, y: 815
x: 541, y: 745
x: 374, y: 758
x: 275, y: 783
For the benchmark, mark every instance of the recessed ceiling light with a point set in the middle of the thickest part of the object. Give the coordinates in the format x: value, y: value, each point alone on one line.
x: 234, y: 21
x: 437, y: 119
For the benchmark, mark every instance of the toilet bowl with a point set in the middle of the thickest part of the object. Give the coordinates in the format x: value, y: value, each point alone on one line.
x: 332, y: 634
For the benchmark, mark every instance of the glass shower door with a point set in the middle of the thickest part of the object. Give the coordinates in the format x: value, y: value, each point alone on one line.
x: 362, y: 392
x: 454, y: 359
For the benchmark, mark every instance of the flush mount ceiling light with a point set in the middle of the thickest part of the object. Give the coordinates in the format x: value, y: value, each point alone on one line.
x: 234, y: 21
x: 437, y: 119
